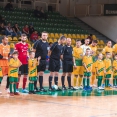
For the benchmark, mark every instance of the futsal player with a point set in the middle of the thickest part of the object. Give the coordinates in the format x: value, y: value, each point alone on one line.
x: 78, y: 67
x: 41, y: 48
x: 54, y: 63
x: 67, y: 61
x: 93, y: 47
x: 22, y: 48
x: 4, y: 55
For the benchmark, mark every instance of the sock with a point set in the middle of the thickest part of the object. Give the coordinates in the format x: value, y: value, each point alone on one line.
x: 88, y: 81
x: 79, y: 81
x: 98, y: 82
x: 92, y: 79
x: 24, y: 82
x: 7, y: 85
x: 32, y: 86
x: 69, y: 80
x: 50, y: 81
x: 41, y: 81
x: 114, y: 82
x: 10, y: 87
x: 35, y: 84
x: 108, y: 82
x: 62, y: 80
x: 56, y: 80
x: 17, y: 85
x: 84, y: 80
x: 105, y: 82
x: 75, y: 80
x: 14, y: 86
x: 29, y: 86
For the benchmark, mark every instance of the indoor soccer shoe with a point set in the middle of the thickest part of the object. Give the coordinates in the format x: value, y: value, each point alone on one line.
x: 51, y: 89
x: 71, y: 88
x: 64, y: 88
x: 25, y: 91
x: 110, y: 85
x: 17, y: 90
x: 58, y: 89
x: 16, y: 93
x: 76, y: 88
x: 89, y: 88
x: 85, y: 88
x: 33, y: 92
x: 11, y: 94
x: 42, y: 90
x: 36, y: 90
x: 103, y: 85
x: 101, y: 88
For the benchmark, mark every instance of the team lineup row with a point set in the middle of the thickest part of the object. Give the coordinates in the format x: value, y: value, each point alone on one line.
x: 81, y: 61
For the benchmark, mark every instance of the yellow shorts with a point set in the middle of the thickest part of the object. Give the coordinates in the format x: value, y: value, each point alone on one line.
x: 79, y: 70
x: 93, y: 68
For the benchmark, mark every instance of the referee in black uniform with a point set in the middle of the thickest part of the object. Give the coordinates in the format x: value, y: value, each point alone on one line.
x: 67, y: 60
x: 54, y: 63
x: 41, y: 48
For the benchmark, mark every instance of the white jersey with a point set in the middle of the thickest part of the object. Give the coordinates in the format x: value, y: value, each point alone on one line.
x: 84, y: 47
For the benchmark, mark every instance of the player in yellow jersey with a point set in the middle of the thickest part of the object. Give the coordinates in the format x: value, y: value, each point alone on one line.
x: 93, y: 47
x: 115, y: 71
x: 87, y: 63
x: 78, y: 68
x: 100, y: 67
x: 32, y: 64
x: 14, y: 65
x: 108, y: 69
x: 108, y: 48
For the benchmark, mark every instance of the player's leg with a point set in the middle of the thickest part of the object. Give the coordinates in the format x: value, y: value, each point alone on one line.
x: 14, y: 86
x: 88, y: 80
x: 11, y: 80
x: 50, y: 81
x: 93, y: 77
x: 25, y: 76
x: 84, y: 80
x: 29, y: 86
x: 0, y: 84
x: 63, y: 80
x: 114, y: 81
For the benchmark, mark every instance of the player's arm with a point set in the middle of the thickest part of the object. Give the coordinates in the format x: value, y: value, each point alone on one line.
x: 11, y: 64
x: 85, y: 66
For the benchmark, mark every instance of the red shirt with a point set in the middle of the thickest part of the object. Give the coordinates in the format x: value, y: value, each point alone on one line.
x: 26, y: 29
x: 23, y: 52
x: 34, y: 36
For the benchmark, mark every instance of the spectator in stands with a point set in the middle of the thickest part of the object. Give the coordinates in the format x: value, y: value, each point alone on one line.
x: 26, y: 30
x: 9, y: 30
x: 42, y: 13
x: 31, y: 29
x: 16, y: 29
x: 34, y: 36
x: 91, y: 38
x: 9, y: 6
x: 2, y: 20
x: 2, y: 29
x: 37, y: 12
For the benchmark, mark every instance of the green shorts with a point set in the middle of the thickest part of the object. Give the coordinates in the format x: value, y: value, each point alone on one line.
x: 108, y: 76
x: 99, y: 77
x: 1, y: 79
x: 33, y: 78
x: 13, y: 79
x: 114, y: 76
x: 87, y: 74
x: 78, y: 62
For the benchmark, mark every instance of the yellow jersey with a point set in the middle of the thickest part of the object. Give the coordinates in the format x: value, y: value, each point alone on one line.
x: 99, y: 64
x: 77, y: 52
x: 107, y: 49
x: 94, y: 49
x: 108, y: 66
x: 87, y: 60
x: 115, y: 48
x: 1, y: 75
x: 32, y: 64
x: 115, y: 66
x: 13, y: 72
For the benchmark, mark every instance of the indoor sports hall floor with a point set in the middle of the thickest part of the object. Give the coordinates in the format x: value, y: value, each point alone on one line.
x: 59, y: 104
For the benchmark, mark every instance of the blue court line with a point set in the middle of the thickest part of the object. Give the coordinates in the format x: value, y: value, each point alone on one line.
x: 105, y: 115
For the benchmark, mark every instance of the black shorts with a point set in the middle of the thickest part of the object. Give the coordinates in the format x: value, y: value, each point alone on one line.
x: 54, y: 65
x: 41, y: 66
x: 23, y: 69
x: 67, y: 66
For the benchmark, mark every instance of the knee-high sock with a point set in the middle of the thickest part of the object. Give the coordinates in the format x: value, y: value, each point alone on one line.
x: 7, y: 85
x: 14, y: 86
x: 93, y: 79
x: 79, y: 81
x: 84, y: 82
x: 88, y: 81
x: 24, y: 82
x: 75, y: 80
x: 106, y: 82
x: 17, y: 85
x: 41, y: 81
x: 63, y: 80
x: 35, y: 84
x: 32, y: 87
x: 69, y: 80
x: 10, y: 87
x: 56, y: 80
x: 29, y: 86
x: 50, y: 81
x: 114, y: 82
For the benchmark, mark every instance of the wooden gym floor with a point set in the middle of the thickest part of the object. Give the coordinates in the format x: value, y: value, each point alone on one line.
x: 59, y: 104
